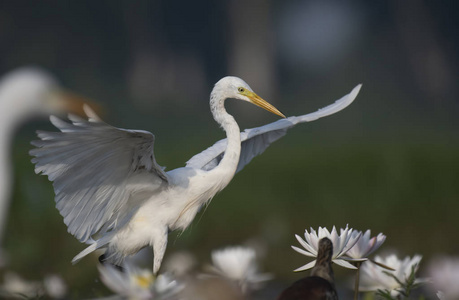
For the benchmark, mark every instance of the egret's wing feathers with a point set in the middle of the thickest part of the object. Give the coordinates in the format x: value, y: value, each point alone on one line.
x: 209, y: 158
x: 94, y: 167
x: 254, y: 141
x: 337, y: 106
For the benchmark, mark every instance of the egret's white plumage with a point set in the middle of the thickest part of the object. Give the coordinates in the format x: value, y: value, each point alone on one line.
x: 112, y: 193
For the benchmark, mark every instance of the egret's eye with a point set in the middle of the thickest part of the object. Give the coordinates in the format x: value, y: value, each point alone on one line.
x: 241, y: 90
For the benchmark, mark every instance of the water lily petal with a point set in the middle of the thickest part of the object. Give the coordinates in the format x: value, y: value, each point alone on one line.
x: 365, y: 245
x: 344, y: 263
x: 354, y: 259
x: 308, y: 237
x: 314, y: 238
x: 350, y: 243
x: 304, y: 252
x: 306, y: 266
x: 333, y: 234
x: 379, y: 240
x: 307, y: 246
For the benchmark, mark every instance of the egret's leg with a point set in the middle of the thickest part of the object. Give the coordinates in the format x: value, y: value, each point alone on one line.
x: 102, y: 260
x: 159, y: 248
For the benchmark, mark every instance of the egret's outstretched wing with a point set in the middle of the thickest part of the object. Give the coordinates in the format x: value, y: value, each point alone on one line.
x: 94, y: 167
x: 254, y: 141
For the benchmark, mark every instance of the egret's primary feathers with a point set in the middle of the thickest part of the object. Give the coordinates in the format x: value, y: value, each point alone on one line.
x: 112, y: 193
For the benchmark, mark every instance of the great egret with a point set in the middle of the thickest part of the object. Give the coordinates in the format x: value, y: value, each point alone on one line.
x: 25, y: 93
x: 321, y: 284
x: 112, y: 193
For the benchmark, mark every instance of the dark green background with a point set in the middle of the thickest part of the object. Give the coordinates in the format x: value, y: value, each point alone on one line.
x: 388, y: 163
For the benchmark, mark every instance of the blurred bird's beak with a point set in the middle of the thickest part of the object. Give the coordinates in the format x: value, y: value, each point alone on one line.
x: 69, y: 102
x: 257, y: 100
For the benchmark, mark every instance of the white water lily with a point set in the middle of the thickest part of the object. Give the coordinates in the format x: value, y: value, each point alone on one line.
x: 444, y: 275
x: 365, y: 245
x: 375, y: 278
x: 15, y: 286
x: 137, y: 284
x: 341, y: 244
x: 238, y: 264
x: 55, y: 286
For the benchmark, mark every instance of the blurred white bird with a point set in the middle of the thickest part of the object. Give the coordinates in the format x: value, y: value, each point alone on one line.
x: 25, y: 93
x: 112, y: 193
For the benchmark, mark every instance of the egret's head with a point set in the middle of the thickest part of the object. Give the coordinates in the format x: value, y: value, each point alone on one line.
x: 31, y: 91
x: 236, y: 88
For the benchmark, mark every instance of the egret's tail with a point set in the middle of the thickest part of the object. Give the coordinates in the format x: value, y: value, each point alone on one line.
x: 93, y: 247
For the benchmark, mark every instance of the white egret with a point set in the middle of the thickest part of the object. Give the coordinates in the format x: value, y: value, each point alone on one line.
x: 25, y: 93
x: 112, y: 193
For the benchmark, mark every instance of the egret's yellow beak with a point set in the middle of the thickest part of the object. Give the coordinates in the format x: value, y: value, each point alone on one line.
x: 69, y: 102
x: 257, y: 100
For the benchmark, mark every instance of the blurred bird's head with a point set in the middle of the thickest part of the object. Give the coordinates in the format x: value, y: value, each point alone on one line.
x: 325, y: 250
x: 30, y: 91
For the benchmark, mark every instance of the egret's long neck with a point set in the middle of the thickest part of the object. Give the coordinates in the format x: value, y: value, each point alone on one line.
x: 233, y: 149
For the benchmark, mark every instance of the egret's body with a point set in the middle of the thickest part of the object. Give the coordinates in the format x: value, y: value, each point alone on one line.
x: 108, y: 184
x: 188, y: 189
